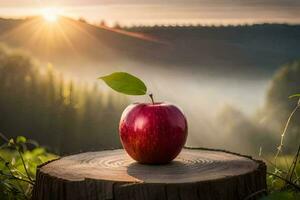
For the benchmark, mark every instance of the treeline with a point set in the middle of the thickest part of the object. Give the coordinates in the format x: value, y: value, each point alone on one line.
x: 168, y: 26
x: 43, y: 105
x: 278, y: 106
x: 264, y: 129
x: 201, y: 26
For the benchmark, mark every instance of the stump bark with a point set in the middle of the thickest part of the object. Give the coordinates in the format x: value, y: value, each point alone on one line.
x: 201, y: 174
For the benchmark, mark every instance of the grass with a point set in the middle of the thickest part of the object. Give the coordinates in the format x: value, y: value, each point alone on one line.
x: 18, y: 166
x: 278, y: 188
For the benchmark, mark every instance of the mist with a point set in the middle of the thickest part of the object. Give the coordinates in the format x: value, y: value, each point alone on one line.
x: 219, y: 76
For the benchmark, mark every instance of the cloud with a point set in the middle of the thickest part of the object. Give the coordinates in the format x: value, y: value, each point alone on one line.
x: 267, y: 3
x: 144, y: 11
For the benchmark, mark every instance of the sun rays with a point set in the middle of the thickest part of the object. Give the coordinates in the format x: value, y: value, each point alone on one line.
x: 50, y: 35
x: 43, y: 36
x: 51, y: 14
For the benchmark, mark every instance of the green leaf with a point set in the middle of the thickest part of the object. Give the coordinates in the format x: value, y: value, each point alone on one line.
x: 11, y: 142
x: 125, y: 83
x: 286, y: 195
x: 294, y: 95
x: 21, y: 139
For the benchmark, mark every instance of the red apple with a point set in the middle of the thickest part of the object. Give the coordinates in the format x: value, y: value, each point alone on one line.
x: 153, y: 133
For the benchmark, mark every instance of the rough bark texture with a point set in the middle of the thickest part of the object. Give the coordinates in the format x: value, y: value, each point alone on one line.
x: 202, y: 174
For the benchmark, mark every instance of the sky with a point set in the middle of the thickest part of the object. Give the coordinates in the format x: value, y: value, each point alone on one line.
x: 136, y: 12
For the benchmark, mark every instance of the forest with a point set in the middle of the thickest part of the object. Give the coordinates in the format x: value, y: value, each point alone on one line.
x: 63, y: 115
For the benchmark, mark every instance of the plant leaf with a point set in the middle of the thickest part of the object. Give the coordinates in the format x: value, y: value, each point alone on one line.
x: 21, y: 139
x: 11, y: 142
x: 287, y: 195
x: 294, y: 95
x: 125, y: 83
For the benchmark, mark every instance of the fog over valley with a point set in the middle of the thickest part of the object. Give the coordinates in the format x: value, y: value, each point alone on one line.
x: 219, y: 76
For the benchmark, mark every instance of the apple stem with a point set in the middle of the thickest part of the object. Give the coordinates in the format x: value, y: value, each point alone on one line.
x: 151, y: 96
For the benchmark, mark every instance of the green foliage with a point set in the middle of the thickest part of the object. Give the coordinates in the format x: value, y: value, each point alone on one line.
x: 284, y: 195
x: 294, y: 95
x: 62, y: 114
x: 281, y: 169
x: 21, y: 139
x: 125, y: 83
x: 18, y: 165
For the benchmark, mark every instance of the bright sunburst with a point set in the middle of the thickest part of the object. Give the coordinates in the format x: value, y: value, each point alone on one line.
x: 51, y: 14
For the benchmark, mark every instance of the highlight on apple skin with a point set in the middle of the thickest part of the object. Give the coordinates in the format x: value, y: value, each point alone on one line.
x: 153, y: 133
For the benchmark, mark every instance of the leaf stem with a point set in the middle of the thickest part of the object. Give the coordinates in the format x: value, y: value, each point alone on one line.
x: 19, y: 179
x: 24, y: 165
x: 18, y: 183
x: 285, y: 180
x: 293, y: 166
x: 279, y: 148
x: 151, y: 96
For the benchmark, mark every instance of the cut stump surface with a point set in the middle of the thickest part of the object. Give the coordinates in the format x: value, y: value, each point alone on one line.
x: 111, y: 174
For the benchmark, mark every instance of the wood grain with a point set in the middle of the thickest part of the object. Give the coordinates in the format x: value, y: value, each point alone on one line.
x: 112, y: 174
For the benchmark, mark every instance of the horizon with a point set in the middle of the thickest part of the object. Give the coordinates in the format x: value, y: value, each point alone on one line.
x: 146, y: 25
x: 154, y: 12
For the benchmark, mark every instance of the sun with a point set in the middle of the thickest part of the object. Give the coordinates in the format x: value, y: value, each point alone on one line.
x: 50, y: 14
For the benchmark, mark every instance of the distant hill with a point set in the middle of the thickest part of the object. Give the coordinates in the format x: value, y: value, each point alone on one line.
x: 260, y: 47
x: 68, y: 41
x: 253, y: 49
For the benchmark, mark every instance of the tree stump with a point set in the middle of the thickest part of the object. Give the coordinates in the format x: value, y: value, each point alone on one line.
x: 202, y: 174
